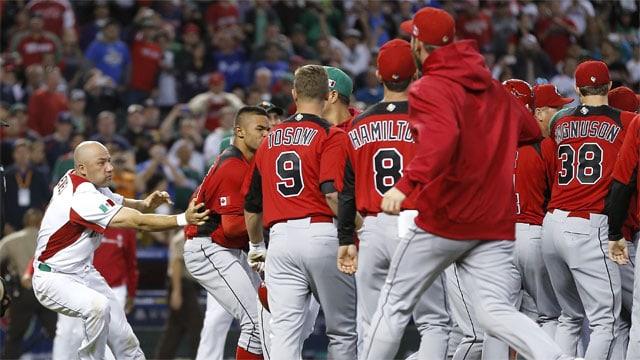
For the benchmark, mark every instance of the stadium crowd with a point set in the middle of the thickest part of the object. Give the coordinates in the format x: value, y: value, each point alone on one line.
x: 159, y: 82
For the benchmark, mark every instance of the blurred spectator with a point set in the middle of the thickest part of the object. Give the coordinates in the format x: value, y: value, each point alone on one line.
x: 136, y: 133
x: 106, y: 135
x: 578, y: 11
x: 152, y: 174
x: 532, y: 62
x: 17, y: 129
x: 555, y: 30
x: 194, y: 69
x: 185, y: 316
x: 151, y: 114
x: 190, y: 167
x: 39, y: 158
x: 57, y: 15
x: 124, y: 176
x: 57, y: 144
x: 33, y: 43
x: 16, y: 252
x: 373, y: 91
x: 282, y: 92
x: 77, y: 106
x: 230, y: 59
x: 633, y: 66
x: 20, y: 24
x: 221, y: 14
x: 72, y: 61
x: 11, y: 89
x: 212, y: 101
x: 262, y: 81
x: 381, y: 26
x: 26, y: 187
x: 212, y: 142
x: 256, y: 21
x: 46, y: 103
x: 273, y: 61
x: 504, y: 26
x: 101, y: 93
x: 34, y: 78
x: 611, y: 56
x: 110, y: 54
x: 300, y: 45
x: 146, y: 55
x: 90, y: 30
x: 64, y: 163
x: 354, y: 54
x: 565, y: 81
x: 167, y: 82
x: 474, y: 24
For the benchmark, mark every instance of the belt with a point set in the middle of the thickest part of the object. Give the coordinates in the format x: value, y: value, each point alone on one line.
x: 44, y: 267
x: 579, y: 214
x: 314, y: 219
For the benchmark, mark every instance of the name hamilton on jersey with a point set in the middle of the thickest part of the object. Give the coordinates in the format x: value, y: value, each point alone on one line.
x: 382, y: 130
x: 581, y: 128
x: 291, y: 136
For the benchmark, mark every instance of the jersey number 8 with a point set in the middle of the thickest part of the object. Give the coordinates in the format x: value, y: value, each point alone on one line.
x: 289, y: 170
x: 587, y: 168
x: 387, y: 169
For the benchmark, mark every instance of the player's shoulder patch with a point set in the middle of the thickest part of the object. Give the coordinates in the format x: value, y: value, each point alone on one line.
x: 382, y: 108
x: 560, y: 114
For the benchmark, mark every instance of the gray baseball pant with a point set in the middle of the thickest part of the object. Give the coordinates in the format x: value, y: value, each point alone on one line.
x: 585, y: 281
x: 535, y: 277
x: 486, y: 268
x: 633, y: 351
x: 301, y: 262
x: 378, y: 241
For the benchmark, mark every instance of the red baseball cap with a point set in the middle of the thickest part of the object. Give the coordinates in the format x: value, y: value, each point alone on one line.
x: 624, y: 99
x: 191, y: 28
x: 216, y: 78
x: 547, y: 95
x: 521, y: 90
x: 592, y: 73
x: 395, y: 61
x: 432, y: 26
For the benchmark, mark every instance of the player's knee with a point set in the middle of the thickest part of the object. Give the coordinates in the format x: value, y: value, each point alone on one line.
x: 100, y: 309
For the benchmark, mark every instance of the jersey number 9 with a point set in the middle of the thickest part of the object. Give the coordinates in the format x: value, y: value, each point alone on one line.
x: 289, y: 170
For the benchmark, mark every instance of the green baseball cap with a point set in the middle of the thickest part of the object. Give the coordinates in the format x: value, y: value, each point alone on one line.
x: 339, y: 81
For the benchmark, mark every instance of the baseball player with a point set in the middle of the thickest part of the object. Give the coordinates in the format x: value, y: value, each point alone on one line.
x: 299, y: 199
x: 78, y: 214
x: 587, y: 139
x: 466, y: 128
x: 337, y: 110
x: 533, y: 177
x: 213, y: 252
x: 376, y: 160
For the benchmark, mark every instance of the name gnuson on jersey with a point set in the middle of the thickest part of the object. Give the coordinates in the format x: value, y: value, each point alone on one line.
x: 383, y: 130
x: 593, y: 129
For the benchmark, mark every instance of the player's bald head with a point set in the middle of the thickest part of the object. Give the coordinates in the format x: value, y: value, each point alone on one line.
x: 88, y: 150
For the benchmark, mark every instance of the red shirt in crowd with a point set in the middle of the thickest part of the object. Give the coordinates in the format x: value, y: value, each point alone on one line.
x: 307, y: 153
x: 56, y: 14
x: 476, y: 28
x: 467, y: 129
x: 222, y: 14
x: 554, y: 39
x: 221, y: 191
x: 33, y: 47
x: 116, y: 259
x: 145, y: 64
x: 44, y: 107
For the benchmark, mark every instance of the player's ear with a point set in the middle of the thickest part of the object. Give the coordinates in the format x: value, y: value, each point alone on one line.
x: 239, y: 132
x: 378, y: 76
x: 294, y: 95
x: 610, y: 83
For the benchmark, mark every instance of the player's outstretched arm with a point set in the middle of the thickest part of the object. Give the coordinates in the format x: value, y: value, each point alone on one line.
x: 134, y: 219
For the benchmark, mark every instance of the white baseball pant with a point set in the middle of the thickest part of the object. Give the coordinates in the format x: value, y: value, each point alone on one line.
x: 69, y: 331
x: 535, y: 277
x: 486, y: 269
x: 217, y: 322
x: 86, y: 295
x: 301, y: 262
x: 633, y: 350
x: 378, y: 241
x: 584, y: 280
x: 226, y: 275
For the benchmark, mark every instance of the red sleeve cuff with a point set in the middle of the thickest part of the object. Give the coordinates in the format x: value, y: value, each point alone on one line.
x: 405, y: 185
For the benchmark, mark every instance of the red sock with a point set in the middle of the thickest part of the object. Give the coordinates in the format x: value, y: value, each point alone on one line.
x: 242, y: 354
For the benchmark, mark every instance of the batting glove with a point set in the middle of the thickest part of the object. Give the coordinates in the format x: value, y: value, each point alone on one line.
x: 257, y: 256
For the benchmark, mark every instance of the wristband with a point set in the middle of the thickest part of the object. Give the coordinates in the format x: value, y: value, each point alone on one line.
x: 182, y: 219
x: 257, y: 247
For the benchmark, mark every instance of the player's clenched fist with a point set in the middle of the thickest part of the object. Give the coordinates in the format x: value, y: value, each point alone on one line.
x: 194, y: 215
x: 618, y: 251
x: 392, y: 201
x: 156, y: 199
x: 257, y: 256
x: 348, y: 259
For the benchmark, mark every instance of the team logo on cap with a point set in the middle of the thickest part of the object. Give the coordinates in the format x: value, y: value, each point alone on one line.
x: 415, y: 30
x: 332, y: 83
x: 593, y: 79
x: 395, y: 76
x: 445, y: 39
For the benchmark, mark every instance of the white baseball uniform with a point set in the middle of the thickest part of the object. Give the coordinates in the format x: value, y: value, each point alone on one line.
x: 64, y: 278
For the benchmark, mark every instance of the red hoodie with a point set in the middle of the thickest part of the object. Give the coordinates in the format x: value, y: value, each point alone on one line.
x: 467, y: 129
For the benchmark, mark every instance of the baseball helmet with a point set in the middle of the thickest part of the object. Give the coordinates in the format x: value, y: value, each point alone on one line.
x: 262, y: 296
x: 521, y: 90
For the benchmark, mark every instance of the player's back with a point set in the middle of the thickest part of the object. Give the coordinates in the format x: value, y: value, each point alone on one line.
x: 297, y: 158
x: 587, y: 140
x: 380, y: 146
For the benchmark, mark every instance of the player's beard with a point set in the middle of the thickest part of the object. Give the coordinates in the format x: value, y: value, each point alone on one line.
x: 415, y: 51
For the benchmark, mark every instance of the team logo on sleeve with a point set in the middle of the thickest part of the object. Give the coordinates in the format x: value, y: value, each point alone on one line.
x: 223, y: 201
x: 105, y: 207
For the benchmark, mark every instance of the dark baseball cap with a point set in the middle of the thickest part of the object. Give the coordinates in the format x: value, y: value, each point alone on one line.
x: 270, y: 107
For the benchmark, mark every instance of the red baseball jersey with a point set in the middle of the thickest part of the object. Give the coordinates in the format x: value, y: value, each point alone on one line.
x: 294, y: 167
x: 221, y: 192
x: 626, y: 172
x: 532, y: 181
x: 587, y: 141
x: 116, y: 259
